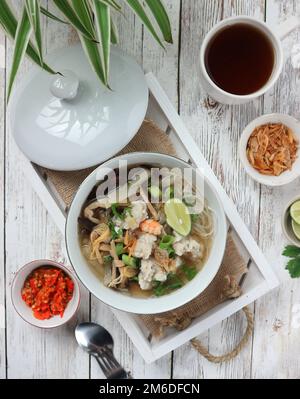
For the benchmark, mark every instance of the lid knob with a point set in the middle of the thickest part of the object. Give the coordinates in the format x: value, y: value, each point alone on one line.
x: 65, y: 86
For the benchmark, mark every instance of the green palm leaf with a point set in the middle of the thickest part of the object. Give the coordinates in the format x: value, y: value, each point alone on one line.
x: 140, y: 11
x: 112, y: 4
x: 114, y: 33
x: 93, y: 22
x: 7, y: 19
x: 33, y: 12
x: 72, y: 17
x: 9, y: 24
x: 102, y: 16
x: 52, y: 16
x: 21, y: 41
x: 82, y: 10
x: 161, y: 18
x: 91, y: 50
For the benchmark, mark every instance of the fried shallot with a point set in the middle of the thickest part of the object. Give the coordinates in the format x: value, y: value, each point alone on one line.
x: 272, y: 149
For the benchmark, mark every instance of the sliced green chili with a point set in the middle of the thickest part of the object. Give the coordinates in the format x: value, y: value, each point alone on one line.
x: 130, y: 261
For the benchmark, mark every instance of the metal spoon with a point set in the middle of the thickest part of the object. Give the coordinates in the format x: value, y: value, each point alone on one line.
x: 98, y: 342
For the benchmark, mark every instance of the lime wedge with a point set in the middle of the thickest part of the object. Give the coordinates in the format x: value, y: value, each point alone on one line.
x: 295, y: 212
x: 178, y: 216
x: 296, y: 229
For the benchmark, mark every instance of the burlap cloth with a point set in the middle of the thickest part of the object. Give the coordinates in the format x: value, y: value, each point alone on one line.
x: 224, y: 286
x: 149, y: 138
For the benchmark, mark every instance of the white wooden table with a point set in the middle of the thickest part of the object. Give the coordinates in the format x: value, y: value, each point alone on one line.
x: 27, y: 231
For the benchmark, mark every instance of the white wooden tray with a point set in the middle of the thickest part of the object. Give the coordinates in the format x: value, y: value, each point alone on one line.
x: 260, y: 278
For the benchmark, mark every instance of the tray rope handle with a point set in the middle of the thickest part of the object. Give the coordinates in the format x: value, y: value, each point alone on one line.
x: 231, y: 355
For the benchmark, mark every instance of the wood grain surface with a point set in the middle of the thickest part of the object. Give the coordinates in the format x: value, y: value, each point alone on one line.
x: 27, y: 231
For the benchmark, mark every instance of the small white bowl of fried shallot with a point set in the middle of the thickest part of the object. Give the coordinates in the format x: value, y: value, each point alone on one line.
x: 269, y: 149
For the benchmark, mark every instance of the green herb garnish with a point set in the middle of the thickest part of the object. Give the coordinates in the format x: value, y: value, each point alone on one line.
x: 127, y: 211
x: 108, y: 259
x: 116, y: 213
x: 172, y: 283
x: 167, y: 243
x: 130, y: 261
x: 293, y: 265
x: 135, y: 278
x: 114, y: 233
x: 189, y: 271
x: 159, y: 290
x: 119, y: 248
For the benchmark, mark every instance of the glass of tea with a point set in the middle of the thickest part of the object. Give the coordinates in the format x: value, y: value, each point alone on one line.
x: 240, y: 59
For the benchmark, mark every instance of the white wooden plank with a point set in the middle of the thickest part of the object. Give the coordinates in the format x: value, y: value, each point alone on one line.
x: 2, y: 188
x: 216, y: 129
x: 40, y: 187
x: 31, y: 233
x: 276, y: 341
x: 130, y: 34
x: 164, y: 64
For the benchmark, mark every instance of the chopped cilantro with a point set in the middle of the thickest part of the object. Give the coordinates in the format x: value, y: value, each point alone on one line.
x: 189, y: 271
x: 114, y: 233
x: 173, y: 282
x: 119, y: 248
x: 159, y: 290
x: 115, y: 212
x: 167, y: 243
x: 293, y: 265
x: 291, y: 251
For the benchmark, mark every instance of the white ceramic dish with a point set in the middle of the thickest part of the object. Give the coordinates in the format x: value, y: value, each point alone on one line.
x: 287, y: 176
x: 141, y: 305
x: 275, y: 34
x: 25, y: 311
x: 286, y: 223
x: 228, y: 98
x: 88, y: 129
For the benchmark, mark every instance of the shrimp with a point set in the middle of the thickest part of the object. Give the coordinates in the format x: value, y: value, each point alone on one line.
x: 151, y: 226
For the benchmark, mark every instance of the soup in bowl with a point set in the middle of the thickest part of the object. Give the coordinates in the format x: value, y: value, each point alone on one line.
x: 146, y: 233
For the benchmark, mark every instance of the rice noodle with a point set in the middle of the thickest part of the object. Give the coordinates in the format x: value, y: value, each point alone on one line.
x: 204, y: 226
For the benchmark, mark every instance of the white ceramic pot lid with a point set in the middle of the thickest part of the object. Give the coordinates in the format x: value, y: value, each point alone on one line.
x: 88, y: 127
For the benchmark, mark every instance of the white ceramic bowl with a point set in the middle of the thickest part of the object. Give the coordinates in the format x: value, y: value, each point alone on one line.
x: 286, y: 222
x: 287, y: 176
x: 214, y: 90
x: 25, y: 311
x: 141, y: 305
